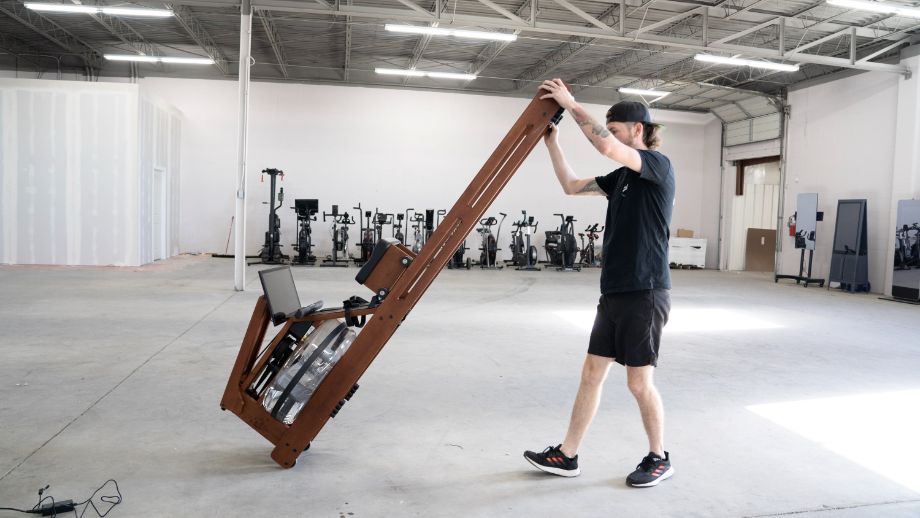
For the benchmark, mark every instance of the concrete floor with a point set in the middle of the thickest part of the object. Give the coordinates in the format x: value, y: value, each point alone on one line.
x: 780, y: 400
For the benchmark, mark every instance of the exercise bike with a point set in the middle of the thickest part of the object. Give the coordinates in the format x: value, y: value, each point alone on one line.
x: 398, y: 229
x: 271, y: 249
x: 381, y: 219
x: 457, y: 261
x: 340, y: 224
x: 418, y: 230
x: 430, y: 222
x: 589, y: 258
x: 489, y: 248
x: 524, y: 253
x: 561, y: 248
x: 306, y: 212
x: 368, y: 239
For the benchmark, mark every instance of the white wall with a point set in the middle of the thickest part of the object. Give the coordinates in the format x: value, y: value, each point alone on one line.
x: 841, y: 145
x: 392, y: 149
x: 77, y: 162
x: 159, y: 134
x: 68, y: 180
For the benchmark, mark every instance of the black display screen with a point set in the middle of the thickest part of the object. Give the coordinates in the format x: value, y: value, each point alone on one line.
x: 278, y: 285
x: 847, y: 232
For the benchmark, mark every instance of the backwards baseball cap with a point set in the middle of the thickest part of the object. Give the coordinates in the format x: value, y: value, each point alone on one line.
x: 629, y: 111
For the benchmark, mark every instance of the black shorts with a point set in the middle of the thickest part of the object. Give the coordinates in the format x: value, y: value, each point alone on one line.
x: 628, y: 326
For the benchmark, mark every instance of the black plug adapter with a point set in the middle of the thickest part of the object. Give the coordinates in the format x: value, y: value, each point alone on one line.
x: 58, y: 507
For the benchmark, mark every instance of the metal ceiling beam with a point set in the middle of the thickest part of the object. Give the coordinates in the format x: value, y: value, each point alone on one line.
x: 866, y: 58
x: 780, y: 39
x: 497, y: 8
x: 608, y: 70
x: 570, y: 30
x: 798, y: 16
x: 820, y: 40
x: 577, y: 44
x: 415, y: 7
x: 52, y: 32
x: 583, y: 15
x: 886, y: 48
x: 747, y: 31
x: 908, y: 40
x: 197, y: 32
x: 494, y: 48
x: 425, y: 39
x: 745, y: 9
x: 124, y: 32
x: 668, y: 21
x: 567, y: 51
x: 268, y: 24
x: 20, y: 50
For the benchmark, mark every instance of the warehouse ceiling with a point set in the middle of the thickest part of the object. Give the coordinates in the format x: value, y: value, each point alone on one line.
x: 597, y: 46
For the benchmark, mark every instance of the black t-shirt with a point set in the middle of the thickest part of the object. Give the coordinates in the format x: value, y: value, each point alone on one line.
x: 639, y: 206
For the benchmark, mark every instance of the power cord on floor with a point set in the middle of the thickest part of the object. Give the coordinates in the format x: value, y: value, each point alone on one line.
x: 59, y: 507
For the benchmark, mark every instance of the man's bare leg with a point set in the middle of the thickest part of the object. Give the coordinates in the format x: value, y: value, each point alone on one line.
x: 593, y: 375
x: 643, y: 389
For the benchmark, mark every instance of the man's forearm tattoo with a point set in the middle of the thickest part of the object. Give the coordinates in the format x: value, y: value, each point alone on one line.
x: 590, y: 187
x: 596, y: 128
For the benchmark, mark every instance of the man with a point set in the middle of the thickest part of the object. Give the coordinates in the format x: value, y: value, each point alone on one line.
x: 635, y: 278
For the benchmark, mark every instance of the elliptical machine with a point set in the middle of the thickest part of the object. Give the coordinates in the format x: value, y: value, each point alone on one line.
x: 489, y: 249
x: 306, y: 212
x: 340, y: 224
x: 523, y: 252
x: 561, y: 248
x: 589, y: 258
x: 367, y: 236
x: 271, y: 250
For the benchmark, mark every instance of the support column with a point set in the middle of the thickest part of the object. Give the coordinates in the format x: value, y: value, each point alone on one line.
x: 905, y: 177
x: 239, y: 249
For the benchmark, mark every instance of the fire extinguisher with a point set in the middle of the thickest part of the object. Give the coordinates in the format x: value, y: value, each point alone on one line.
x: 791, y: 224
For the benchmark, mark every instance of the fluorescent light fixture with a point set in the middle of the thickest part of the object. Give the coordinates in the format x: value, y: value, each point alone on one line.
x: 480, y: 35
x: 396, y: 72
x: 133, y: 11
x: 769, y: 65
x: 449, y: 75
x: 438, y: 31
x: 876, y: 7
x: 92, y: 9
x: 646, y: 93
x: 420, y: 73
x: 60, y: 8
x: 158, y: 59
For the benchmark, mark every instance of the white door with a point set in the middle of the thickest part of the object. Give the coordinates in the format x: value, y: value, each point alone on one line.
x: 757, y: 208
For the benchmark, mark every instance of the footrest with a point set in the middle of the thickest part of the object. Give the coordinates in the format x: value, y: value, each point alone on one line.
x: 386, y: 264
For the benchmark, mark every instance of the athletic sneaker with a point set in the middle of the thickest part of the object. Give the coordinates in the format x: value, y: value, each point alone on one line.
x: 652, y: 470
x: 552, y: 460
